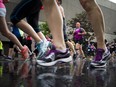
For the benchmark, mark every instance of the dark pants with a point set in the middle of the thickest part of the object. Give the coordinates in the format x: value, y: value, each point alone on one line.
x: 27, y: 9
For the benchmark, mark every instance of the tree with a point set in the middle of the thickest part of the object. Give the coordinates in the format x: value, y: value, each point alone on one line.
x: 83, y: 19
x: 44, y: 28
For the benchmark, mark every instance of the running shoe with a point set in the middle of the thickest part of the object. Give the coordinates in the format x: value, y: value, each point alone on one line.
x: 101, y: 58
x: 54, y: 56
x: 42, y: 48
x: 24, y: 52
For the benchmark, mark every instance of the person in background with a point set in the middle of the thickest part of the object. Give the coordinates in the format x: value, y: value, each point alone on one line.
x: 79, y: 39
x: 5, y: 31
x: 13, y: 49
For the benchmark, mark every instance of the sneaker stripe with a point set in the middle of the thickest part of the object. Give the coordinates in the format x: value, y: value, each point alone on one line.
x: 65, y: 59
x: 69, y: 59
x: 106, y: 56
x: 98, y: 66
x: 47, y: 63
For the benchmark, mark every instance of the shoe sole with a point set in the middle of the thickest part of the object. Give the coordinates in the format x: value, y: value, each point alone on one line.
x: 64, y: 60
x: 93, y: 66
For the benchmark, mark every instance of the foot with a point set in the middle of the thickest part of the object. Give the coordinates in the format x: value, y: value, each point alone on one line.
x: 55, y: 56
x: 42, y: 48
x: 101, y: 58
x: 24, y: 52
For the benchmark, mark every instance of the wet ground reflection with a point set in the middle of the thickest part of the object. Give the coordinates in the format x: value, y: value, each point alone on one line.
x: 62, y: 75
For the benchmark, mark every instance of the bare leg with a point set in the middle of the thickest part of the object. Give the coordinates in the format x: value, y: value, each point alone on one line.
x: 28, y: 29
x: 96, y: 17
x: 41, y: 35
x: 55, y: 22
x: 5, y: 31
x: 10, y: 52
x: 80, y: 51
x: 71, y: 46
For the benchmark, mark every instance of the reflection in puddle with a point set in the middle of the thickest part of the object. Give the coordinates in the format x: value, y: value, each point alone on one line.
x: 62, y: 75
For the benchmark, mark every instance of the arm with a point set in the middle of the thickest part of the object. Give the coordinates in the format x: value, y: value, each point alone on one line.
x: 83, y: 32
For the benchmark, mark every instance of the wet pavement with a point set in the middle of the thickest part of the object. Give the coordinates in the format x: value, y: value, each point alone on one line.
x: 28, y: 74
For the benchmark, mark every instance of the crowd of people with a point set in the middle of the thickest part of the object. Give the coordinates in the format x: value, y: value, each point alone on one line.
x: 55, y: 17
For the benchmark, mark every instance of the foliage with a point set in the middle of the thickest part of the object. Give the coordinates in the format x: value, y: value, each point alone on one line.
x: 44, y: 28
x: 83, y: 19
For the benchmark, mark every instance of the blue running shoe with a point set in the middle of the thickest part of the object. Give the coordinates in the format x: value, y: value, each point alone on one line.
x: 54, y: 56
x: 42, y: 48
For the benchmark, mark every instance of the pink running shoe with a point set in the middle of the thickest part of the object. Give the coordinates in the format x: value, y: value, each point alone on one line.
x: 24, y: 52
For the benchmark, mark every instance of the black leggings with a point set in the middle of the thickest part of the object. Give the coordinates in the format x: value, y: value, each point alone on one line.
x: 27, y: 9
x: 64, y: 31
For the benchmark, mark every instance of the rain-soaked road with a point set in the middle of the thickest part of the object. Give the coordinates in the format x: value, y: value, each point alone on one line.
x: 61, y: 75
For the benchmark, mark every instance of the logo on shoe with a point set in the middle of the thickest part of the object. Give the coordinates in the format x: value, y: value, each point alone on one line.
x: 51, y: 56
